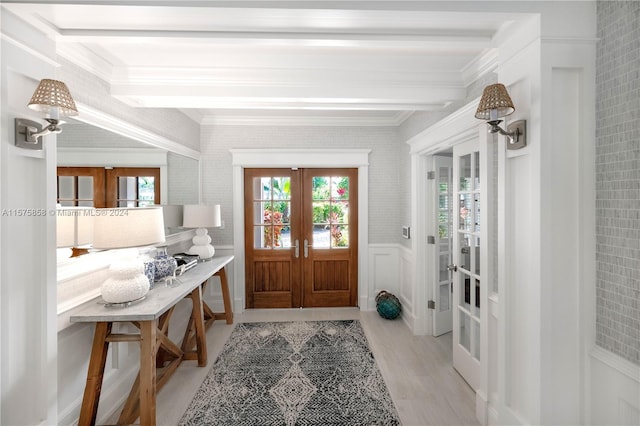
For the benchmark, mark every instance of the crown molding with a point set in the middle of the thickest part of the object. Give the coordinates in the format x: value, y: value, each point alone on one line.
x: 98, y: 118
x: 483, y: 64
x: 86, y: 59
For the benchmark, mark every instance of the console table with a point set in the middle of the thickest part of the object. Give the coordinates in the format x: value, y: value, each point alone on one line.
x: 159, y: 356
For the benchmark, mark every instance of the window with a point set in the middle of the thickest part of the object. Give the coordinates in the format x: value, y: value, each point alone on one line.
x: 116, y: 187
x: 133, y: 187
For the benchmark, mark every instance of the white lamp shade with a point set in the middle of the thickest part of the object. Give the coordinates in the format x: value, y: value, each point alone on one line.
x: 199, y: 216
x: 128, y: 227
x: 74, y: 226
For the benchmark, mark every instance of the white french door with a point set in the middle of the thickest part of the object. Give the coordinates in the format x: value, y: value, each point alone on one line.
x: 468, y: 178
x: 443, y: 241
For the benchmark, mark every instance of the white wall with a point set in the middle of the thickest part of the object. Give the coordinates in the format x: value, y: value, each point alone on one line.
x: 27, y: 253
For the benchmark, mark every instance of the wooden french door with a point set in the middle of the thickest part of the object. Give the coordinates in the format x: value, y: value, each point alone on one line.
x: 301, y: 235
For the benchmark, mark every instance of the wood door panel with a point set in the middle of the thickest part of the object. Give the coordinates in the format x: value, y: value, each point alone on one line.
x: 330, y: 275
x: 271, y: 276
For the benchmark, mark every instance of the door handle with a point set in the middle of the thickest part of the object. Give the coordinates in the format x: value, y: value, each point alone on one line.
x: 453, y: 267
x: 306, y: 248
x: 297, y: 249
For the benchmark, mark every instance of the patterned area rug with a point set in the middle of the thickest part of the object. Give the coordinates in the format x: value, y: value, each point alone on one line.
x: 294, y: 373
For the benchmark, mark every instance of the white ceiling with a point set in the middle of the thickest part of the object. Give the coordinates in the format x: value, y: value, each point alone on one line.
x: 287, y: 62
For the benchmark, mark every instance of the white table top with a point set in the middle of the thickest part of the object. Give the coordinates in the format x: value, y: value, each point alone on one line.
x: 159, y: 299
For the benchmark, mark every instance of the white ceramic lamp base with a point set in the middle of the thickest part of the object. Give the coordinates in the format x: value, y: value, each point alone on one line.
x: 126, y: 283
x: 202, y: 244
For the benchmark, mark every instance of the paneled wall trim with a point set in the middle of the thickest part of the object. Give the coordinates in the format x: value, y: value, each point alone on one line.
x: 391, y: 269
x: 616, y: 393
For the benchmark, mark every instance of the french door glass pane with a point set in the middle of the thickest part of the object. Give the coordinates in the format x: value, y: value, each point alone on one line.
x: 476, y: 340
x: 465, y: 295
x: 475, y: 307
x: 476, y: 257
x: 66, y: 188
x: 476, y: 212
x: 330, y: 211
x: 465, y: 331
x: 444, y: 267
x: 272, y: 210
x: 466, y: 212
x: 445, y: 300
x: 339, y: 236
x: 444, y: 203
x: 465, y: 173
x: 465, y: 251
x: 321, y: 238
x: 146, y: 190
x: 136, y: 191
x: 85, y: 187
x: 476, y: 173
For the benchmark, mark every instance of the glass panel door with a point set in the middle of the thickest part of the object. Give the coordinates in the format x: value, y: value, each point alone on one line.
x: 466, y: 248
x: 442, y: 309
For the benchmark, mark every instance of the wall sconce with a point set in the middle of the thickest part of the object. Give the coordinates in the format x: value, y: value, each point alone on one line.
x: 496, y: 103
x: 51, y: 97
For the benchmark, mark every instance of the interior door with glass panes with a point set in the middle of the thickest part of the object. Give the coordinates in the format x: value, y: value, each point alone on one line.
x: 443, y: 240
x: 467, y: 178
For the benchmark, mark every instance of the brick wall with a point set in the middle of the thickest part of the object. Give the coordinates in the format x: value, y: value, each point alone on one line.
x: 183, y: 177
x: 618, y: 178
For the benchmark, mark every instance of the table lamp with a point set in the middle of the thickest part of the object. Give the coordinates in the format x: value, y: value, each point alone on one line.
x: 74, y: 228
x: 127, y: 227
x: 202, y: 217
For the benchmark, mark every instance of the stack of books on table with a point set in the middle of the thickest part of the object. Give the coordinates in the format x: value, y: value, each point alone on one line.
x: 185, y: 262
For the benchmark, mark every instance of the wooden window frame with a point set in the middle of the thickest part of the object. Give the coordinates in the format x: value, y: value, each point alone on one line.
x: 105, y: 182
x: 113, y: 174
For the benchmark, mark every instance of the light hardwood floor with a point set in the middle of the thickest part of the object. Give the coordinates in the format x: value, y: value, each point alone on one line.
x: 417, y: 369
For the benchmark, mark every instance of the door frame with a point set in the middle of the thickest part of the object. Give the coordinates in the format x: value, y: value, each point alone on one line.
x: 459, y: 127
x: 456, y: 128
x: 302, y: 158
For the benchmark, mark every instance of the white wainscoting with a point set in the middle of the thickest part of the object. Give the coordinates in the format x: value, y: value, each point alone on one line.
x: 615, y: 389
x: 391, y: 269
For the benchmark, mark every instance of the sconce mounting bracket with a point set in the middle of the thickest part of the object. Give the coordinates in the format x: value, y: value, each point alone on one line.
x: 24, y: 129
x: 519, y: 131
